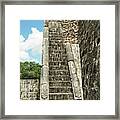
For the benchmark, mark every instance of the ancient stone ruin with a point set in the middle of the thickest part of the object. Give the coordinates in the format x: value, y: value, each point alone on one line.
x: 70, y: 62
x: 71, y: 53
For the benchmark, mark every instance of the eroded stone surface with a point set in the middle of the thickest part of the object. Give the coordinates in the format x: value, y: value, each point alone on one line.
x: 29, y: 89
x: 89, y: 42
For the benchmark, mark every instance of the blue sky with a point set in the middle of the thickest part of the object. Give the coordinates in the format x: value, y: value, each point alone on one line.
x: 26, y: 25
x: 31, y: 35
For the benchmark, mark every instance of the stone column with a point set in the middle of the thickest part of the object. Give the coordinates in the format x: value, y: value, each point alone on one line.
x: 76, y: 56
x: 44, y: 81
x: 75, y: 69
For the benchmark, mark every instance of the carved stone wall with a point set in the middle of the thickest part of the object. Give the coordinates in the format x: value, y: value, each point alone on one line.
x: 89, y: 42
x: 30, y: 89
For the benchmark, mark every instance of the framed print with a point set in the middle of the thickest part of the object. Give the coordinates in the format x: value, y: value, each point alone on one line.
x: 60, y: 59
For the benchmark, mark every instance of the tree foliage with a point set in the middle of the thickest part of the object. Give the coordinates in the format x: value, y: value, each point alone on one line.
x: 30, y: 70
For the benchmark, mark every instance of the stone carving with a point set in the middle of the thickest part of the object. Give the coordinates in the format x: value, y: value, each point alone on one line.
x: 76, y: 56
x: 73, y: 71
x: 44, y: 91
x: 44, y: 80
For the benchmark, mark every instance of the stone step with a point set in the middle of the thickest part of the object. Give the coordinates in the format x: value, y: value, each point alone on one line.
x: 60, y: 90
x: 61, y: 78
x: 57, y: 84
x: 64, y: 70
x: 61, y: 96
x: 64, y: 87
x: 60, y: 81
x: 61, y: 93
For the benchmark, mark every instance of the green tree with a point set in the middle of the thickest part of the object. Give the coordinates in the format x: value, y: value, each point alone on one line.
x: 30, y: 70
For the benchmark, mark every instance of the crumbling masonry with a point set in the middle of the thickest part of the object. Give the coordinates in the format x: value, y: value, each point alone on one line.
x: 71, y: 66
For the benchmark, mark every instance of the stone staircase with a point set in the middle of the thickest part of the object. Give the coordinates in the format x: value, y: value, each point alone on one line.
x: 60, y: 84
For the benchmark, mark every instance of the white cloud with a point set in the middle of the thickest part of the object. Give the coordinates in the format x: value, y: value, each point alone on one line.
x: 34, y: 40
x: 24, y: 56
x: 21, y: 38
x: 32, y: 45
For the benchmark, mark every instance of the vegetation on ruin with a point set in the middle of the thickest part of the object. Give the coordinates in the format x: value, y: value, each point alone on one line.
x: 30, y: 70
